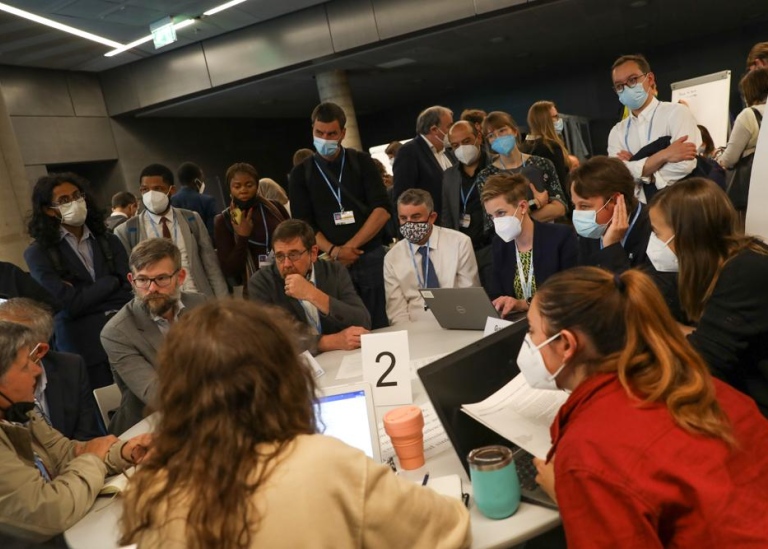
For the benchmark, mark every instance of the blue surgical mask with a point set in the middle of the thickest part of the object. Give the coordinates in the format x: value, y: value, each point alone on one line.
x: 504, y: 144
x: 633, y: 98
x: 326, y: 147
x: 559, y: 125
x: 586, y: 225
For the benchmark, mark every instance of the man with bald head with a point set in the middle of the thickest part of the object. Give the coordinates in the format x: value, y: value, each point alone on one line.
x: 420, y: 163
x: 462, y: 208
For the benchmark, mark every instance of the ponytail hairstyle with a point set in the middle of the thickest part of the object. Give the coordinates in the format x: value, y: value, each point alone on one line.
x: 632, y: 334
x: 541, y: 126
x: 706, y: 237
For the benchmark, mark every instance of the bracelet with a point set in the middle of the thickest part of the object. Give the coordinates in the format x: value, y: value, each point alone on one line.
x: 330, y: 251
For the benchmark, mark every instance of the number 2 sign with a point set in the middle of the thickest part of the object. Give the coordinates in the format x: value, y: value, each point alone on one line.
x: 387, y: 367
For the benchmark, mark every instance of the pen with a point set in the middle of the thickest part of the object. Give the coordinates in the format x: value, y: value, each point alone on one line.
x: 426, y: 479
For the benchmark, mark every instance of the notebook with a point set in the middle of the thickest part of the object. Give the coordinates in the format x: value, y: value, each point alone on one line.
x: 459, y: 308
x: 347, y: 412
x: 472, y: 374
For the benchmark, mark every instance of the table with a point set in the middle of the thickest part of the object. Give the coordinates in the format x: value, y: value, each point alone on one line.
x: 98, y: 529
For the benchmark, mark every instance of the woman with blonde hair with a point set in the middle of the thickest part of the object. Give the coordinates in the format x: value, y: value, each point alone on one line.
x: 543, y: 139
x: 649, y: 450
x: 721, y: 280
x: 238, y: 463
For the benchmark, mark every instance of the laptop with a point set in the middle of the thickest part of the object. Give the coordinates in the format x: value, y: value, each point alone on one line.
x: 472, y: 374
x: 459, y: 308
x: 347, y: 412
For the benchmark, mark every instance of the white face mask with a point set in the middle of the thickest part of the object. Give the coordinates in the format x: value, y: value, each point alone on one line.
x: 467, y: 154
x: 508, y: 227
x: 74, y: 213
x: 664, y: 260
x: 532, y: 365
x: 155, y: 201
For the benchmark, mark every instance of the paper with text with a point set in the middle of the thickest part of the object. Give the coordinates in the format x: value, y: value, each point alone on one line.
x: 435, y: 438
x: 520, y: 414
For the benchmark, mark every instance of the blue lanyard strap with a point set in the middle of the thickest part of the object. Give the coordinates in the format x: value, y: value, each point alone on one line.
x: 337, y: 192
x: 421, y: 281
x: 465, y: 199
x: 157, y: 233
x: 650, y: 127
x: 629, y: 229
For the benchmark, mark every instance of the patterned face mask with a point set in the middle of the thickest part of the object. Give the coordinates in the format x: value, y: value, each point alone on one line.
x: 415, y: 231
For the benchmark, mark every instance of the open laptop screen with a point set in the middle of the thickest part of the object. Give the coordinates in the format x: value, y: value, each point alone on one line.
x: 345, y: 416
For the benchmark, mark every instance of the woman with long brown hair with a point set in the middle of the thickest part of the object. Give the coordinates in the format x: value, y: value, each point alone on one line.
x: 237, y: 462
x: 721, y: 280
x: 649, y: 450
x: 543, y: 139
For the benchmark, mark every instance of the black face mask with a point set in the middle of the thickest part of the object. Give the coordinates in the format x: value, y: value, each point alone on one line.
x: 245, y: 205
x: 17, y: 411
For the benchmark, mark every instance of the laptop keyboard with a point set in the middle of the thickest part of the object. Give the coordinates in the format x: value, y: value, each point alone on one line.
x: 526, y: 471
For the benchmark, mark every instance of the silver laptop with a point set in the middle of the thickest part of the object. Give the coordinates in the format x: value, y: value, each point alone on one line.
x: 459, y: 308
x: 347, y: 412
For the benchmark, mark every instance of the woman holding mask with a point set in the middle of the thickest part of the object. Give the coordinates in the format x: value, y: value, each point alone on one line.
x: 543, y: 139
x: 243, y: 232
x: 253, y: 472
x: 649, y: 450
x: 722, y: 276
x: 502, y: 134
x: 525, y: 252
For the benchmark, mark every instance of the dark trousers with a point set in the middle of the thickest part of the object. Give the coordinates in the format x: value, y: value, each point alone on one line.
x: 367, y: 275
x: 100, y: 374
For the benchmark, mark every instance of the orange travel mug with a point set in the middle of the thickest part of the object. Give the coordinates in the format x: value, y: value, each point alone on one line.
x: 405, y: 426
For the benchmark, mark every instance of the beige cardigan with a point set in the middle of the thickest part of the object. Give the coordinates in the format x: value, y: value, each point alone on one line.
x: 323, y: 493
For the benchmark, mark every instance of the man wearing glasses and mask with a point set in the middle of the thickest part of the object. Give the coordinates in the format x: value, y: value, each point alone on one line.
x: 133, y: 336
x: 317, y: 293
x: 658, y: 140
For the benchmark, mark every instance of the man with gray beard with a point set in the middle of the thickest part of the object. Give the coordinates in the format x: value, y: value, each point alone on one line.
x: 133, y: 336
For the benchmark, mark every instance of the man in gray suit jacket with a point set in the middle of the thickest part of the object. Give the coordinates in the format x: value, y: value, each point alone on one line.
x: 184, y: 227
x: 133, y: 336
x: 317, y: 293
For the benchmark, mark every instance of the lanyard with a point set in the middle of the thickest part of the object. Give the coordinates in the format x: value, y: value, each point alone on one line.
x: 266, y: 230
x: 527, y: 287
x: 157, y: 233
x: 336, y: 193
x: 650, y: 127
x: 465, y: 199
x: 422, y: 281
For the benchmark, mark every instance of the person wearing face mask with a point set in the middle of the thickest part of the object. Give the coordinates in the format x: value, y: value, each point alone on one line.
x: 80, y: 264
x: 462, y: 208
x: 190, y: 194
x: 649, y: 450
x: 47, y: 481
x: 547, y: 201
x: 545, y: 127
x: 525, y: 252
x: 420, y: 162
x: 243, y: 232
x: 721, y: 274
x: 185, y: 228
x: 658, y: 140
x: 340, y: 193
x: 429, y: 256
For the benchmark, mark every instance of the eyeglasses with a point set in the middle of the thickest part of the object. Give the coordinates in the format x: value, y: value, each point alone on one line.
x: 293, y: 256
x: 632, y: 81
x: 64, y: 200
x: 161, y: 281
x: 35, y: 354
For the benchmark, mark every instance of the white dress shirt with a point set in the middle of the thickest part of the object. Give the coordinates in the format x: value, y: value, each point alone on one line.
x: 440, y: 156
x: 313, y: 315
x: 657, y: 119
x: 455, y: 265
x: 162, y: 324
x: 154, y: 228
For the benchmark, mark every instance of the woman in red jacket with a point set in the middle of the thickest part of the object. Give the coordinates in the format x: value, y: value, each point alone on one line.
x: 649, y: 450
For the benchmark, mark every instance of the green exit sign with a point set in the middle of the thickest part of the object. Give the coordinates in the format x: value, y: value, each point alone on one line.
x: 163, y: 32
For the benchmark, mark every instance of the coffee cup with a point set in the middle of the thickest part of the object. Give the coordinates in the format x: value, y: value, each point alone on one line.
x: 405, y: 426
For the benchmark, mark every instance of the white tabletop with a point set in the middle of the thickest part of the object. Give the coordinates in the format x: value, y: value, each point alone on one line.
x: 99, y: 530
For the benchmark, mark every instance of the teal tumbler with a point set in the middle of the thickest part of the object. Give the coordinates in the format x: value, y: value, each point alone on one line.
x: 495, y: 484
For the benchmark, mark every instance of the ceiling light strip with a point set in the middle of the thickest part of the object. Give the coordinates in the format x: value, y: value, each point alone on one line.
x: 145, y: 39
x: 222, y: 7
x: 60, y: 26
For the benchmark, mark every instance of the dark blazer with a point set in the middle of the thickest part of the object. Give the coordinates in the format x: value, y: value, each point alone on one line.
x: 132, y: 340
x: 114, y: 221
x: 71, y: 406
x: 190, y: 199
x: 554, y: 250
x: 416, y: 167
x: 87, y: 304
x: 346, y: 307
x: 17, y: 283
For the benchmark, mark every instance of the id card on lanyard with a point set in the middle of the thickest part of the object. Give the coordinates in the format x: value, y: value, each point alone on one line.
x: 341, y: 217
x: 526, y: 286
x: 465, y: 218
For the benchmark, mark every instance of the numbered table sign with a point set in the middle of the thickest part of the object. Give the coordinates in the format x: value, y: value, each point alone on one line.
x: 387, y: 367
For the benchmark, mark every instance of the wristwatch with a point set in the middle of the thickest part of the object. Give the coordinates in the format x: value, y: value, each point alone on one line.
x: 532, y: 205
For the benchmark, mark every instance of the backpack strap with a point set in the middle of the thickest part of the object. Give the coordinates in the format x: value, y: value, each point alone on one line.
x: 758, y: 116
x: 106, y: 249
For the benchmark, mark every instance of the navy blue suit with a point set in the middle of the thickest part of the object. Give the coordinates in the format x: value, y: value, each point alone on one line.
x: 87, y: 304
x: 17, y: 283
x: 554, y: 250
x: 71, y: 406
x: 190, y: 199
x: 416, y: 167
